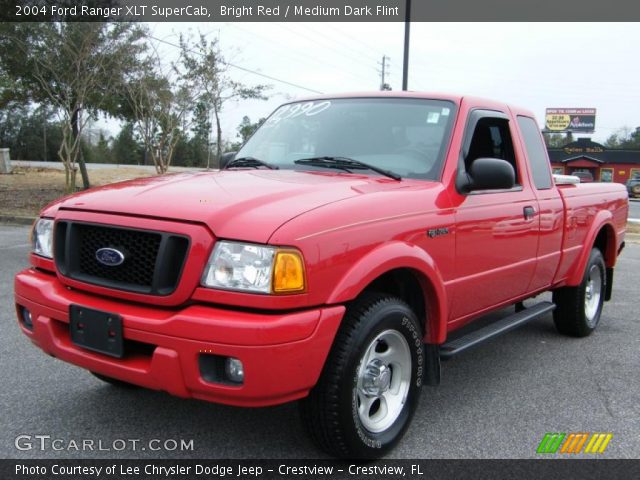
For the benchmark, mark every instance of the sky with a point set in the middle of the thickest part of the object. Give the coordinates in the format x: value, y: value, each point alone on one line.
x: 532, y: 65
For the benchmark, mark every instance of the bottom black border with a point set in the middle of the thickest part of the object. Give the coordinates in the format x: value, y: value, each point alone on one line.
x: 556, y: 468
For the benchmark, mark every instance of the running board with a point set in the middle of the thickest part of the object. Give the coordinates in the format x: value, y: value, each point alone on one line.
x: 499, y: 327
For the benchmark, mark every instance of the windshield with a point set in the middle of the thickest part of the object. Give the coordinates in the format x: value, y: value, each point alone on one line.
x: 406, y: 136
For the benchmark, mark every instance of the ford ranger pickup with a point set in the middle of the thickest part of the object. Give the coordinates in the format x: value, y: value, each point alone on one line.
x: 328, y: 261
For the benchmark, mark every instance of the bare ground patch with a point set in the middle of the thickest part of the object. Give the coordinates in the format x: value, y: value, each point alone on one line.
x: 25, y: 191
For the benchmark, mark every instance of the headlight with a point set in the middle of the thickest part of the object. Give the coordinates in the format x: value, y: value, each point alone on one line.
x: 42, y: 237
x: 254, y: 268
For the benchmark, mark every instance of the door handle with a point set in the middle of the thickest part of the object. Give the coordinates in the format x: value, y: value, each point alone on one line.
x: 528, y: 212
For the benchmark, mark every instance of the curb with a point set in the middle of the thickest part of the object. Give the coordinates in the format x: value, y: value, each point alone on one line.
x: 632, y: 237
x: 17, y: 220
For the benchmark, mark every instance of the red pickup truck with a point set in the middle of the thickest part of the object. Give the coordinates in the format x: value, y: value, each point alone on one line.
x: 328, y: 261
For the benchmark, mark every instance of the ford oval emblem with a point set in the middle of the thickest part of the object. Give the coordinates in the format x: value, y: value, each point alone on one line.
x: 109, y: 257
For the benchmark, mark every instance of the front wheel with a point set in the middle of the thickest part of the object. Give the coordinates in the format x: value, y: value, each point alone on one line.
x: 371, y: 382
x: 578, y: 309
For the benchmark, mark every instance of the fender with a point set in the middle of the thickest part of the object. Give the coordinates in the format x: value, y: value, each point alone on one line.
x: 391, y: 256
x: 602, y: 219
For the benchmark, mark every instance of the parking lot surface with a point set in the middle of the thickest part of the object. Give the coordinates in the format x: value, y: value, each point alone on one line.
x: 634, y: 208
x: 496, y: 401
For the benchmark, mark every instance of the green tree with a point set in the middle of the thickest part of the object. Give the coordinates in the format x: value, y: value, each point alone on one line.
x: 190, y: 152
x: 102, y: 151
x: 30, y: 142
x: 126, y: 149
x: 72, y: 67
x: 245, y: 129
x: 29, y: 133
x: 11, y: 120
x: 205, y: 71
x: 625, y: 138
x: 6, y: 97
x: 160, y: 111
x: 558, y: 140
x: 199, y: 143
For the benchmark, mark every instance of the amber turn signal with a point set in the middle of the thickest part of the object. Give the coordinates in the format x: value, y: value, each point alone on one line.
x: 288, y: 272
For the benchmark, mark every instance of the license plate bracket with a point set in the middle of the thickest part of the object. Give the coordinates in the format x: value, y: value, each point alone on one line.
x: 96, y: 330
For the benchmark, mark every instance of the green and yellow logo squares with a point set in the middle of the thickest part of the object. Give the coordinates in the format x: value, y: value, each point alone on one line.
x: 550, y: 442
x: 598, y: 443
x: 574, y: 442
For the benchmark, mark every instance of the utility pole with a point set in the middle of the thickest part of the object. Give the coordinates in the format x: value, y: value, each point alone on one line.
x: 383, y: 72
x: 405, y: 63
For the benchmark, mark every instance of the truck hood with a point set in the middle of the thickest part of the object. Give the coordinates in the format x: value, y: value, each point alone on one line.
x: 243, y: 204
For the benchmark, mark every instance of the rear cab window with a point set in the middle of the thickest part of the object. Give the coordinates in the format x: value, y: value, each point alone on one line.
x: 536, y: 152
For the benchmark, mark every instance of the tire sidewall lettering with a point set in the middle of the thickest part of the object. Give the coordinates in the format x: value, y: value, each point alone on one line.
x: 407, y: 327
x: 419, y: 349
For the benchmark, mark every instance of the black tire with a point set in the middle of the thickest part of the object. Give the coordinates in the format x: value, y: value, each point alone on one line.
x: 379, y: 327
x: 114, y: 381
x: 578, y: 309
x: 635, y: 190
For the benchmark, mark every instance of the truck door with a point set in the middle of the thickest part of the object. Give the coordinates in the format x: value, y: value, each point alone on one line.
x: 497, y: 230
x: 550, y: 206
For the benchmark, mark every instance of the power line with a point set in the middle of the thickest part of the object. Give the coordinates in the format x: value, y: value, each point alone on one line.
x: 295, y: 55
x: 273, y: 78
x: 244, y: 69
x: 367, y: 47
x: 323, y: 41
x: 352, y: 53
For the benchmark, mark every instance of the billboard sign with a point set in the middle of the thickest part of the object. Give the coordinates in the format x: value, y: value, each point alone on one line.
x: 577, y: 120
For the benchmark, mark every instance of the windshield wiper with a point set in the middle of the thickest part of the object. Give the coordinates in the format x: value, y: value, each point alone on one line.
x: 249, y: 162
x: 345, y: 163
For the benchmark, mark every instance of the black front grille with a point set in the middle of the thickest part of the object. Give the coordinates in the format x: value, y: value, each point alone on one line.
x: 153, y: 261
x: 140, y: 250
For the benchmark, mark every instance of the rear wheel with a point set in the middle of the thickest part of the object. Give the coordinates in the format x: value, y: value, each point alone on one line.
x: 578, y: 309
x: 635, y: 190
x: 370, y: 385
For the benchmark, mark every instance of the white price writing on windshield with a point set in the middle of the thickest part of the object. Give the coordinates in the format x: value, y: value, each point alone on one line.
x: 307, y: 109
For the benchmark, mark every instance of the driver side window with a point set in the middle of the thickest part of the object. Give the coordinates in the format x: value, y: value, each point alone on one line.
x: 492, y: 139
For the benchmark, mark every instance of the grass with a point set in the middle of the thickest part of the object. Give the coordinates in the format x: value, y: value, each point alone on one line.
x: 25, y: 191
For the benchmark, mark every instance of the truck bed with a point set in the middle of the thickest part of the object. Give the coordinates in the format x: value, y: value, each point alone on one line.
x: 586, y: 204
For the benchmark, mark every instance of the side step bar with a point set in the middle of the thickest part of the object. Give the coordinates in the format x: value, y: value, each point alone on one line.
x: 499, y: 327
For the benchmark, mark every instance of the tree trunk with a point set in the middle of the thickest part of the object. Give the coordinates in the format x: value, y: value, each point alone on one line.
x: 67, y: 180
x: 64, y: 158
x: 218, y: 136
x: 146, y: 139
x: 83, y: 168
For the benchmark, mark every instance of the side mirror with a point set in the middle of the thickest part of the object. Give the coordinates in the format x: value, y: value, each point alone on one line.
x: 491, y: 174
x: 226, y: 158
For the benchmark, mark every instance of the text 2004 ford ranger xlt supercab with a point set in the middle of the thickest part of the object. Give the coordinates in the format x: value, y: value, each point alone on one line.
x: 329, y: 261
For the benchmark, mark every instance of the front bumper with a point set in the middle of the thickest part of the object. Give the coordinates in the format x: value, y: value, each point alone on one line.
x: 283, y: 353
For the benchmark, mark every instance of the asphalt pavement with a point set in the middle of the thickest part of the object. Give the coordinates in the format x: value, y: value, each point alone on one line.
x: 496, y: 401
x: 634, y: 208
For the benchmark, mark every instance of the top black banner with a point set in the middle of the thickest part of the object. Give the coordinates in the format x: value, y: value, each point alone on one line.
x: 318, y: 10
